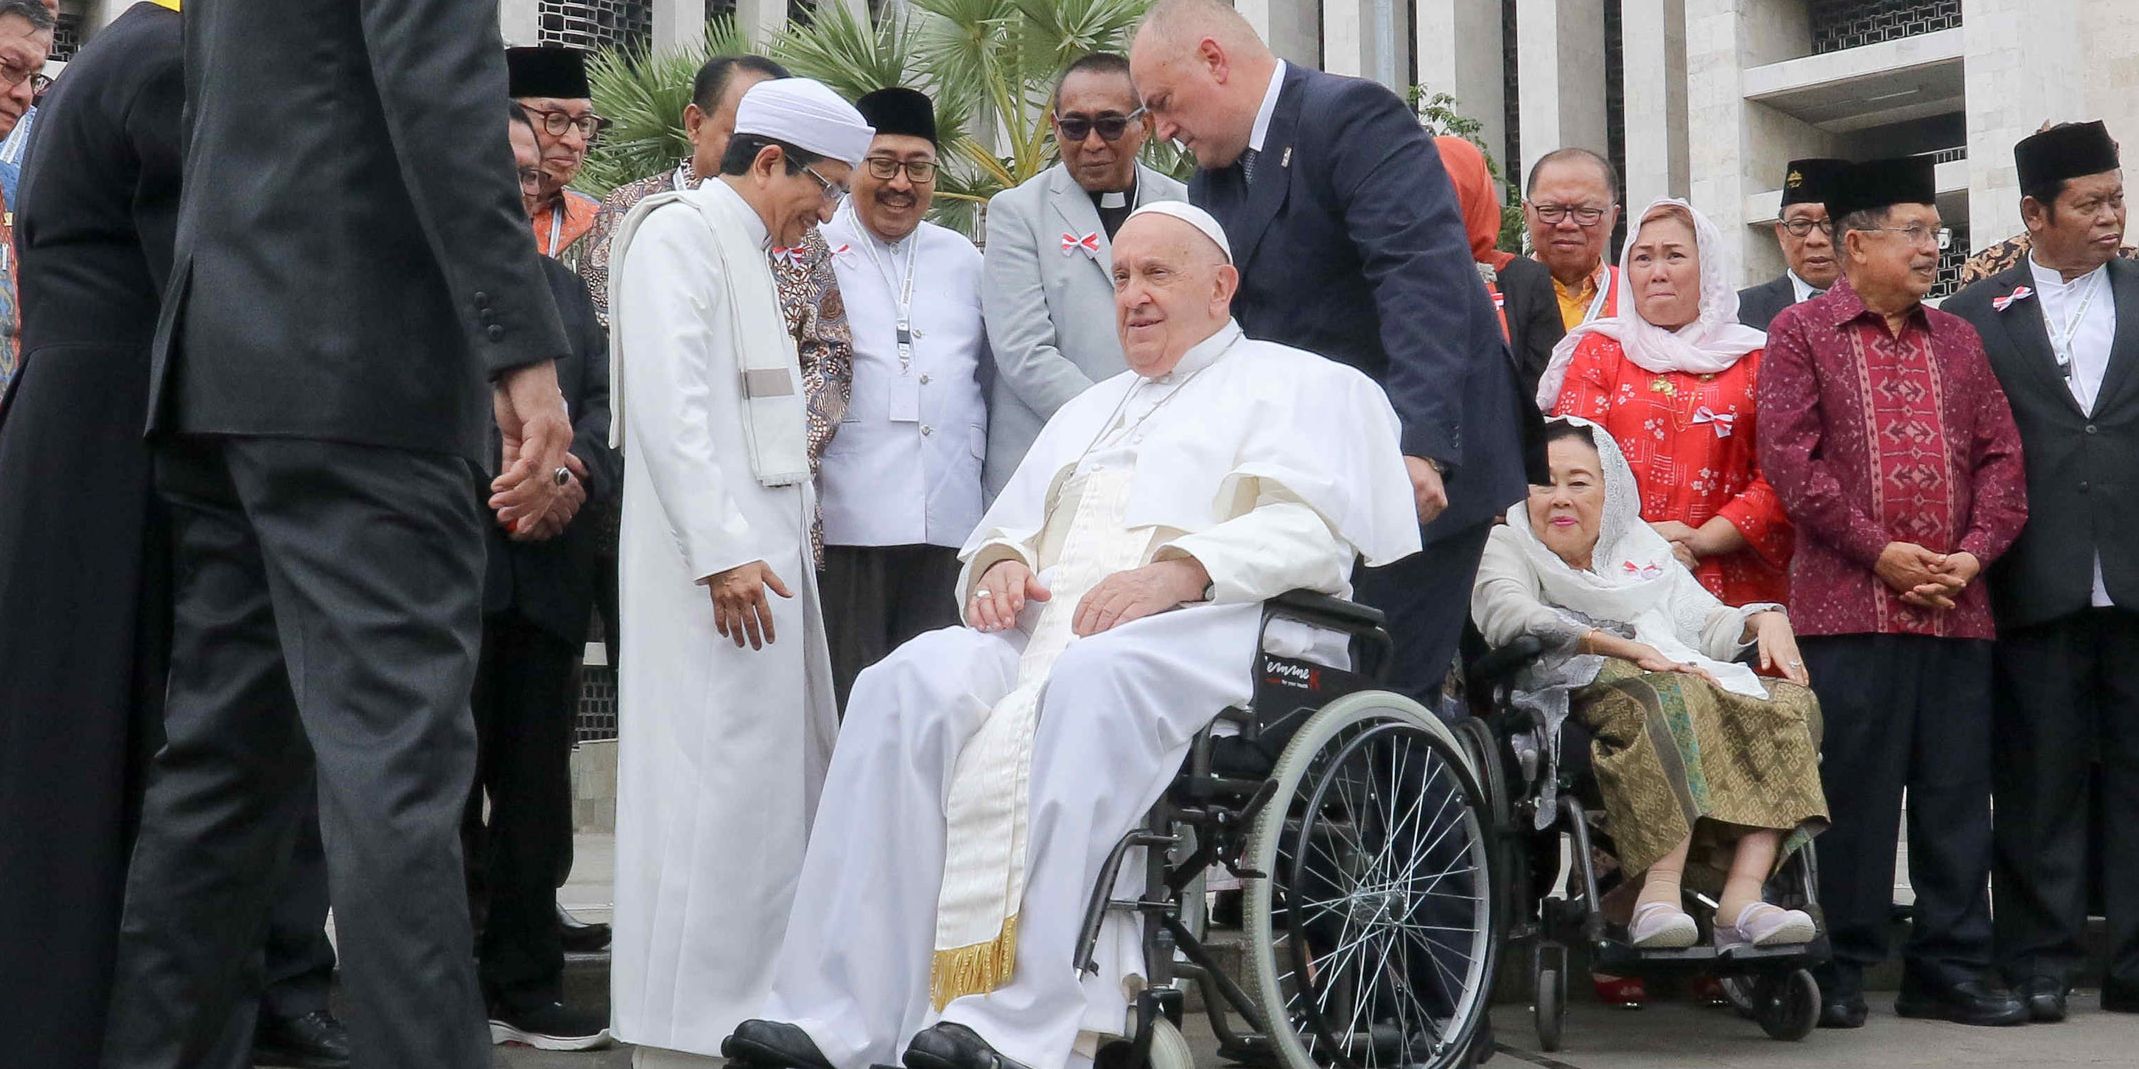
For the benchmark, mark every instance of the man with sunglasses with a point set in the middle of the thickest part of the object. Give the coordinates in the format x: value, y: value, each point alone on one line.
x: 550, y: 84
x: 1048, y: 289
x: 900, y: 482
x: 1806, y: 235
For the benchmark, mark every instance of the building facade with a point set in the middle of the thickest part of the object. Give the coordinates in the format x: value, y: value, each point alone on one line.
x: 1705, y: 99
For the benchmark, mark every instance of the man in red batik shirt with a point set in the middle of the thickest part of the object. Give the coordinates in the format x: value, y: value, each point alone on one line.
x: 1895, y: 455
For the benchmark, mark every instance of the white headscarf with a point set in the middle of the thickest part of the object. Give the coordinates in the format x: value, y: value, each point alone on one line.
x: 1709, y: 344
x: 1632, y: 574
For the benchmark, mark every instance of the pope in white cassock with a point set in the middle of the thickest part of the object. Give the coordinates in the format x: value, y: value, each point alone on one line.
x: 1111, y: 599
x: 725, y: 708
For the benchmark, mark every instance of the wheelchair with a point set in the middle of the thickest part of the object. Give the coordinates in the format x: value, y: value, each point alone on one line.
x: 1772, y: 986
x: 1363, y: 836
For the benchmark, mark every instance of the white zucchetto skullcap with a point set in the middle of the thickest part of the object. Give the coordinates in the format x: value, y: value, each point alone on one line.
x: 805, y: 114
x: 1196, y: 217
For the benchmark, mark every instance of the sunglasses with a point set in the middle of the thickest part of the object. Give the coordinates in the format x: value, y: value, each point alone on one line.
x: 1111, y: 127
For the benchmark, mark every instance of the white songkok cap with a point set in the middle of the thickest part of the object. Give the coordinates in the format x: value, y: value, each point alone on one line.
x: 805, y: 114
x: 1193, y: 216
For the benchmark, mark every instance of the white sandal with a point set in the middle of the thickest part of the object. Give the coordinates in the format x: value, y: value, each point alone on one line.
x: 1661, y: 926
x: 1764, y: 924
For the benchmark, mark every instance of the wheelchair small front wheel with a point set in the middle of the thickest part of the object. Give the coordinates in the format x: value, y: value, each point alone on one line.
x: 1550, y: 1007
x: 1787, y: 1005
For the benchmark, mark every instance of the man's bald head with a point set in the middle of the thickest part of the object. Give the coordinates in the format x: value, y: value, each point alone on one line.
x: 1173, y: 287
x: 1202, y: 71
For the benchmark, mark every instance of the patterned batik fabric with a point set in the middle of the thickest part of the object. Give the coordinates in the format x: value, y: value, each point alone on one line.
x: 1871, y: 437
x: 1676, y: 756
x: 1995, y: 259
x: 1691, y: 441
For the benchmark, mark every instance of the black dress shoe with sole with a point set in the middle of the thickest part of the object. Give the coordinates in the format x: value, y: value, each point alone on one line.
x: 954, y: 1046
x: 2044, y: 997
x: 1971, y: 1002
x: 578, y: 936
x: 773, y: 1045
x: 313, y: 1041
x: 1842, y: 1013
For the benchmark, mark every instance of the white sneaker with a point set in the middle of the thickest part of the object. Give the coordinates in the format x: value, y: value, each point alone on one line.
x: 1659, y: 926
x: 1764, y: 924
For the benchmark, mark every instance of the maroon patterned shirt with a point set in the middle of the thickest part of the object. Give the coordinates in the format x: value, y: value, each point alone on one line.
x: 1870, y: 438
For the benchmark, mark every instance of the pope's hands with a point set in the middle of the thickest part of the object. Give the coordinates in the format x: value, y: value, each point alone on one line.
x: 1001, y: 594
x: 1428, y: 492
x: 1139, y: 592
x: 537, y: 434
x: 739, y: 607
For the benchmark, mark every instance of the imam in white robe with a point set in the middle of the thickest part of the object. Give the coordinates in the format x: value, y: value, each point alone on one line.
x: 721, y: 750
x: 1274, y: 469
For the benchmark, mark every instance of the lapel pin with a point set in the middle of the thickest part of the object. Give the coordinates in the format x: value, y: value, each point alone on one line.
x: 2000, y: 304
x: 1286, y: 159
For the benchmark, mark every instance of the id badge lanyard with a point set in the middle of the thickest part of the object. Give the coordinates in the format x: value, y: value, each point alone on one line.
x: 906, y: 391
x: 2061, y: 343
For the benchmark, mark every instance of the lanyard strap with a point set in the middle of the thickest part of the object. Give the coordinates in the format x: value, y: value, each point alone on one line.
x: 2063, y: 341
x: 903, y: 292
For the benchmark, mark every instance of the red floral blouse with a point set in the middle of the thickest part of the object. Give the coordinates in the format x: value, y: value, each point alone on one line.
x: 1691, y: 442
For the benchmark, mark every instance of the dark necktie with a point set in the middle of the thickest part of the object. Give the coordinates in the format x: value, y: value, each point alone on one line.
x: 1247, y: 165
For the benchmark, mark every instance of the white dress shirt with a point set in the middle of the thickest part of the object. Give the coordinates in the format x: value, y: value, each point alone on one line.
x: 2081, y: 318
x: 904, y: 467
x: 1269, y: 108
x: 1801, y: 289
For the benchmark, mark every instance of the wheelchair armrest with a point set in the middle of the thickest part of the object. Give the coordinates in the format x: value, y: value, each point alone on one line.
x: 1315, y: 608
x: 1499, y: 665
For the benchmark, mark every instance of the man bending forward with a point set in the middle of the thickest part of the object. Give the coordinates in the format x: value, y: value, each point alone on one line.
x: 1111, y: 601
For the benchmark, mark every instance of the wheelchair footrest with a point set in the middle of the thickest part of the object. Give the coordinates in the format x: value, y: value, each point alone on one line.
x: 1616, y: 957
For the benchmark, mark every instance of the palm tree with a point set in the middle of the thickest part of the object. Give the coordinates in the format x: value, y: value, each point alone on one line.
x: 989, y: 65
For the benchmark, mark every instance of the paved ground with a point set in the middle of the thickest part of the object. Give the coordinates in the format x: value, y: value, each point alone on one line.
x: 1669, y: 1035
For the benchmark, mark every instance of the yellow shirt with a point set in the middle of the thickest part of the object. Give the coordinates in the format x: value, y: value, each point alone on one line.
x: 1575, y: 304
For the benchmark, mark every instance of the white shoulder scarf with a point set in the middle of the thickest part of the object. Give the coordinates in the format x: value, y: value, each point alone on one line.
x: 775, y: 417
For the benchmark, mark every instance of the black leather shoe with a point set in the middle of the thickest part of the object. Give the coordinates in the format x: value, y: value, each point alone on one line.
x: 2045, y: 998
x: 1968, y: 1002
x: 313, y: 1041
x: 1841, y: 997
x: 773, y: 1045
x: 1841, y: 1012
x: 578, y: 936
x: 2120, y: 997
x: 954, y: 1046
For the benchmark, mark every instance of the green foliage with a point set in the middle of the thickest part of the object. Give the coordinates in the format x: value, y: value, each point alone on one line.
x: 1438, y: 112
x: 989, y: 65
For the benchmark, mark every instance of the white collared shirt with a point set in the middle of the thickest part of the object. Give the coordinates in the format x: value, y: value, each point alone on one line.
x: 2090, y: 343
x: 1803, y: 290
x: 904, y: 466
x: 1269, y: 108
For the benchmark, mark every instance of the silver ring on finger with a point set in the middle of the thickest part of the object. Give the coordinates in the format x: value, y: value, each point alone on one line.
x: 985, y: 593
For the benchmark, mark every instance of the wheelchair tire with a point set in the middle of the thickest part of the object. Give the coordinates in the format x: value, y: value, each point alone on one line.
x: 1344, y: 775
x: 1169, y: 1048
x: 1549, y: 1008
x: 1742, y: 994
x: 1787, y: 1005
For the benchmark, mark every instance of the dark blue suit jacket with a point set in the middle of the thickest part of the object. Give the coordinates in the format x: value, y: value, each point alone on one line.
x: 1350, y: 244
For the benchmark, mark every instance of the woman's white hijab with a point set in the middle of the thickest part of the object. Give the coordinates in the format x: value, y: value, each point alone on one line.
x: 1632, y: 573
x: 1709, y: 344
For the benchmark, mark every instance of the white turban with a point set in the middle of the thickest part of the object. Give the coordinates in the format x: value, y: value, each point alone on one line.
x: 805, y: 114
x: 1196, y: 217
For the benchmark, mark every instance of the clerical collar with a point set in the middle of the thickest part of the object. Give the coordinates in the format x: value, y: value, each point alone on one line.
x: 1114, y: 199
x: 1202, y: 354
x: 753, y: 226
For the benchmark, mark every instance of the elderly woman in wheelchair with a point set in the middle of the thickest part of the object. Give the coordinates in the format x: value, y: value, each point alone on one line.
x: 1709, y: 773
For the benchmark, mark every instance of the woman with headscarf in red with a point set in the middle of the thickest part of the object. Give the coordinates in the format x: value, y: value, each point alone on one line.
x: 1521, y: 287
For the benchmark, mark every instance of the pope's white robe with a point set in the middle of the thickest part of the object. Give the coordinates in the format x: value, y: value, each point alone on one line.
x: 720, y: 750
x: 1273, y: 468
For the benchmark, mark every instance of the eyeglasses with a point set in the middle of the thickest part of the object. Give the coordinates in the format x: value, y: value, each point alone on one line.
x: 555, y: 123
x: 830, y: 192
x: 1554, y: 214
x: 1918, y: 233
x: 883, y: 169
x: 1798, y: 228
x: 12, y: 76
x: 1078, y: 127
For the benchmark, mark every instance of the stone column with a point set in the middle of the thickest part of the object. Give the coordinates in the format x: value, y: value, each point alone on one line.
x: 1560, y: 50
x: 1459, y: 47
x: 1654, y: 33
x: 678, y: 24
x: 2025, y: 63
x: 520, y: 22
x: 761, y: 20
x: 1292, y: 28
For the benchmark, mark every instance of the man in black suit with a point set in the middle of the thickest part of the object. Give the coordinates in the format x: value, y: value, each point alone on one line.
x: 1350, y: 244
x: 347, y: 283
x: 2062, y: 333
x: 538, y: 592
x: 1808, y: 246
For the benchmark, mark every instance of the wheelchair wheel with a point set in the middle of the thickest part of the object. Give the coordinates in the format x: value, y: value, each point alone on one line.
x: 1550, y: 1006
x: 1741, y: 993
x: 1787, y: 1005
x: 1374, y: 931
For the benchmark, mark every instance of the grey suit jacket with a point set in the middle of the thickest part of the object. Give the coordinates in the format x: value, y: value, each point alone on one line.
x: 1050, y: 314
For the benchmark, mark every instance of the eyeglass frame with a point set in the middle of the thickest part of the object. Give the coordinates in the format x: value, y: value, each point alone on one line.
x: 1803, y: 228
x: 1091, y: 125
x: 543, y: 117
x: 39, y: 81
x: 935, y: 167
x: 831, y: 193
x: 1943, y: 234
x: 1555, y: 214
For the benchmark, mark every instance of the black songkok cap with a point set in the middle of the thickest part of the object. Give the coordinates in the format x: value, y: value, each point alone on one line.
x: 2063, y: 152
x: 899, y: 110
x: 556, y: 73
x: 1808, y: 179
x: 1876, y: 184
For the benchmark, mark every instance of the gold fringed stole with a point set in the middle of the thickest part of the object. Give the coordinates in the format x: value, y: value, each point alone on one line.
x: 974, y: 970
